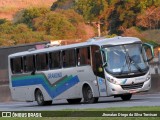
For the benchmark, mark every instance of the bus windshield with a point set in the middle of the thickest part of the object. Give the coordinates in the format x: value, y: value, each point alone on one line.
x: 125, y: 59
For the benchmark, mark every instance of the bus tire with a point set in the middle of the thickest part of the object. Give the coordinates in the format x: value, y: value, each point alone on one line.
x: 74, y: 101
x: 40, y: 98
x: 88, y: 95
x: 126, y: 97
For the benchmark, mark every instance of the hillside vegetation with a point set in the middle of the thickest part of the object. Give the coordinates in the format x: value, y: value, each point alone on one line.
x: 9, y: 7
x: 78, y: 19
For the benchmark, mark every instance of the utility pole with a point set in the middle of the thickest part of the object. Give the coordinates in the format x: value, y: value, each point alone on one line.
x: 99, y: 29
x: 98, y: 25
x: 159, y: 54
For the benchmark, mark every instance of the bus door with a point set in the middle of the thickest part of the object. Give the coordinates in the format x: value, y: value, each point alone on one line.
x: 99, y: 71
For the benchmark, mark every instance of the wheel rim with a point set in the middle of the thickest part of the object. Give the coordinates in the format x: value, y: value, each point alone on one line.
x: 39, y: 97
x: 89, y: 94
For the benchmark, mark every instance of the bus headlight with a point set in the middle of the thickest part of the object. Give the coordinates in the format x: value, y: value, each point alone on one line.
x: 148, y: 77
x: 112, y: 80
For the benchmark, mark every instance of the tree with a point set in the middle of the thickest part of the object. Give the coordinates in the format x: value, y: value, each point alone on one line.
x: 2, y: 21
x: 62, y: 4
x: 91, y: 10
x: 6, y: 28
x: 55, y: 24
x: 150, y: 18
x: 123, y: 15
x: 26, y: 16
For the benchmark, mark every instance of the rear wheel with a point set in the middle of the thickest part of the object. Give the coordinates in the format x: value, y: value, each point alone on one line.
x: 88, y: 95
x: 74, y: 101
x: 126, y: 97
x: 40, y: 99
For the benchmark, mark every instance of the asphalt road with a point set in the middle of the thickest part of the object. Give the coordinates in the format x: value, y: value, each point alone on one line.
x: 105, y: 102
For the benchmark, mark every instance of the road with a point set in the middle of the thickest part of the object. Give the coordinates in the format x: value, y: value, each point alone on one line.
x: 105, y: 102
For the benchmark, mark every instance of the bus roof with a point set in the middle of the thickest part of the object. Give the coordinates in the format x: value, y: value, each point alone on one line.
x: 100, y: 41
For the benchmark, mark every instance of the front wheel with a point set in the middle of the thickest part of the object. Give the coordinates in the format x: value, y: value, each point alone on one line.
x: 126, y: 97
x: 88, y: 95
x: 40, y: 99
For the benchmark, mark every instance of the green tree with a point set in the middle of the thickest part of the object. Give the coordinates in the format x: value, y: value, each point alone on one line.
x: 2, y: 21
x: 26, y: 16
x: 123, y: 15
x: 13, y: 34
x: 91, y: 10
x: 62, y: 4
x: 55, y: 24
x: 7, y: 28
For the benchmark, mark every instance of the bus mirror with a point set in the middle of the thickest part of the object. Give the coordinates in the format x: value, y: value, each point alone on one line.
x: 105, y: 64
x: 149, y: 51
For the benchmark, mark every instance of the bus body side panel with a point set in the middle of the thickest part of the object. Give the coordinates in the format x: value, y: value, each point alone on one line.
x: 26, y: 93
x: 23, y: 88
x: 54, y: 84
x: 85, y: 75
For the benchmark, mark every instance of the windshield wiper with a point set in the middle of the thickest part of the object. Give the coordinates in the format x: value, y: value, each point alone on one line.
x: 135, y: 64
x: 132, y: 61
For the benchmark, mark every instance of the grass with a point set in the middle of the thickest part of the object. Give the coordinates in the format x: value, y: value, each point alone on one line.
x: 9, y: 7
x: 86, y: 118
x: 129, y: 109
x: 140, y: 108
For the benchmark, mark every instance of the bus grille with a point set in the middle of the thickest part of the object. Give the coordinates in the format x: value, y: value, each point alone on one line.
x: 132, y: 86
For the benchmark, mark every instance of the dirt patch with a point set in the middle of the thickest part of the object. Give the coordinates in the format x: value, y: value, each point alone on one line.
x: 5, y: 95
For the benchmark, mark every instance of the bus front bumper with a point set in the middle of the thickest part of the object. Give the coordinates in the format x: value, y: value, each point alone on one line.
x: 114, y: 89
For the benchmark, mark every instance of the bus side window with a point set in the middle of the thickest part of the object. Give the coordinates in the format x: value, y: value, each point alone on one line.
x: 42, y: 61
x: 29, y: 63
x: 83, y: 56
x: 17, y: 65
x: 68, y: 58
x: 55, y: 61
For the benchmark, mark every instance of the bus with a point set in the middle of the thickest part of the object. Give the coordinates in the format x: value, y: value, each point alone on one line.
x: 99, y: 67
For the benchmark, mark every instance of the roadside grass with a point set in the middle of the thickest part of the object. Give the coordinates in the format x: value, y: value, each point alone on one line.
x: 85, y: 118
x: 118, y: 109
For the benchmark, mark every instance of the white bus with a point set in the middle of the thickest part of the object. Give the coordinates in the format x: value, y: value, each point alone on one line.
x: 97, y: 68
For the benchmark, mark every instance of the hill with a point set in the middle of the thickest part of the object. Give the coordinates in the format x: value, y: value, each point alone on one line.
x: 9, y: 7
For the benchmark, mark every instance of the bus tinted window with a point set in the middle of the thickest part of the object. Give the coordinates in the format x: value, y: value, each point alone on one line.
x: 16, y: 65
x: 68, y: 57
x: 42, y: 61
x: 29, y: 63
x: 55, y: 61
x: 97, y: 61
x: 83, y: 56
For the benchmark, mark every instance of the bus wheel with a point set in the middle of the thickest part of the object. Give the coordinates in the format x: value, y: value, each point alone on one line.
x: 88, y: 95
x: 40, y: 99
x: 126, y: 97
x: 74, y: 101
